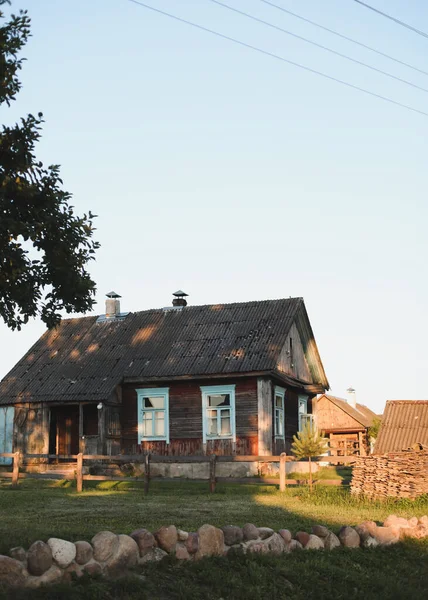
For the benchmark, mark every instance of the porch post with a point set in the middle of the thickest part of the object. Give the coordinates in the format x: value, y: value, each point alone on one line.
x: 101, y: 427
x: 81, y: 440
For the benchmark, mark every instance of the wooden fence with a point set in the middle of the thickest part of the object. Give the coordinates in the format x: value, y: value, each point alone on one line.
x: 148, y: 459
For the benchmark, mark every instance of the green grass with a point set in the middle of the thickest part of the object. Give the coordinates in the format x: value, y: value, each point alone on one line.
x: 338, y: 473
x: 41, y: 509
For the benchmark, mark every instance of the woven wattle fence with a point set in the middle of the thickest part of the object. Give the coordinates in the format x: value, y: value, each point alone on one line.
x: 397, y: 475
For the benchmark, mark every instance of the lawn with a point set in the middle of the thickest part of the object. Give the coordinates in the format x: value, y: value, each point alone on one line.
x: 40, y: 509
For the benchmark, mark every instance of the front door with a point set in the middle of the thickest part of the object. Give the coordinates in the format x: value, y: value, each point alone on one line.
x: 64, y: 430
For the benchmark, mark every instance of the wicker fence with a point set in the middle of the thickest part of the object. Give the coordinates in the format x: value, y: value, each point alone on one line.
x: 397, y: 475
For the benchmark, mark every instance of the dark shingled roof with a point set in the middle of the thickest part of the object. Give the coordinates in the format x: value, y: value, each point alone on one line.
x: 362, y: 414
x: 84, y: 359
x: 404, y: 424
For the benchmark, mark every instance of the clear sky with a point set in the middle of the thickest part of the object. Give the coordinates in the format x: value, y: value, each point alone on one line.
x: 236, y: 177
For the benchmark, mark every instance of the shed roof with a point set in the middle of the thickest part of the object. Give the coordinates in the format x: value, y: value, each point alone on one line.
x: 404, y: 423
x: 85, y: 358
x: 362, y: 414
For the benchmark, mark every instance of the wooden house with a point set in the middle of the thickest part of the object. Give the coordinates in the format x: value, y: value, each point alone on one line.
x: 345, y: 423
x: 404, y: 427
x: 183, y: 380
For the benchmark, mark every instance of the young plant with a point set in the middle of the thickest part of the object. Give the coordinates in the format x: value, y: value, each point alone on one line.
x: 309, y: 443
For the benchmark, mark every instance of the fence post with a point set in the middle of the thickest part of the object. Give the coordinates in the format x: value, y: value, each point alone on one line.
x: 282, y: 472
x: 146, y: 473
x: 15, y: 473
x: 79, y: 473
x: 213, y: 459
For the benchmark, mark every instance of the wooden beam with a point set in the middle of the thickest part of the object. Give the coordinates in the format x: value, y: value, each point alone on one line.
x: 282, y: 472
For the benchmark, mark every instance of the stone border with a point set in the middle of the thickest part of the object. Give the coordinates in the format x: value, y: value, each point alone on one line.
x: 113, y: 555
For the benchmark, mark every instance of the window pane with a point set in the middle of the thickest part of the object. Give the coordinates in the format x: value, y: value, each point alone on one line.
x: 219, y: 400
x: 159, y: 423
x: 154, y: 402
x: 212, y: 425
x: 147, y: 424
x: 302, y: 406
x: 225, y: 423
x: 278, y: 401
x: 279, y: 422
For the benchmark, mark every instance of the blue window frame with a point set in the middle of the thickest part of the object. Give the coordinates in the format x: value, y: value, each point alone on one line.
x: 218, y: 412
x: 153, y: 414
x: 279, y: 412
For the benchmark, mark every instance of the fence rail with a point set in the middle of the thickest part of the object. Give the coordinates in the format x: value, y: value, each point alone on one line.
x: 148, y: 459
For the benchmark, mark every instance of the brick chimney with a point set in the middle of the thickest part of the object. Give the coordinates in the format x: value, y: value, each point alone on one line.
x: 112, y: 305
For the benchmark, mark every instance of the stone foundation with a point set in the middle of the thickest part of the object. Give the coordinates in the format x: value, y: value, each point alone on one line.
x: 113, y: 555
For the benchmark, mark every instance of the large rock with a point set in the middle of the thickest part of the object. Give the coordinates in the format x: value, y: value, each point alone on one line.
x: 11, y: 572
x: 145, y: 540
x: 293, y: 545
x: 181, y: 552
x: 320, y: 531
x: 232, y: 535
x: 105, y: 544
x: 18, y: 553
x: 419, y: 532
x: 286, y: 535
x: 153, y: 555
x: 167, y: 538
x: 125, y: 557
x: 369, y: 542
x: 314, y: 543
x: 366, y: 529
x: 412, y: 522
x: 349, y: 537
x: 84, y: 552
x: 257, y: 547
x: 275, y: 544
x: 92, y: 568
x: 39, y: 558
x: 211, y: 541
x: 63, y: 552
x: 250, y: 532
x: 385, y: 536
x: 394, y: 521
x: 72, y: 571
x: 182, y: 535
x: 423, y: 520
x: 331, y: 541
x: 302, y: 537
x: 192, y: 543
x: 265, y: 532
x: 53, y: 575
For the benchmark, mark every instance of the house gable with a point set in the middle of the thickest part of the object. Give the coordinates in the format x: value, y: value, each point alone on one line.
x: 292, y: 360
x: 330, y: 416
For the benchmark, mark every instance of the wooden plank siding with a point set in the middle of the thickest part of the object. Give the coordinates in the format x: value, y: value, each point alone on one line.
x: 292, y: 360
x: 185, y: 420
x: 330, y: 417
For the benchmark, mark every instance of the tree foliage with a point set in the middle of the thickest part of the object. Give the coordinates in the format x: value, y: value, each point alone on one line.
x: 44, y: 246
x: 309, y: 443
x: 373, y: 430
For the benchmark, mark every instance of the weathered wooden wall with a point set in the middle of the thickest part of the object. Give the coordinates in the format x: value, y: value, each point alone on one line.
x: 31, y: 429
x: 292, y: 360
x: 185, y: 420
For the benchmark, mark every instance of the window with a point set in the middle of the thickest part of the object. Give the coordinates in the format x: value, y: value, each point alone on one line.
x: 218, y: 412
x: 153, y: 421
x: 279, y: 412
x: 303, y: 412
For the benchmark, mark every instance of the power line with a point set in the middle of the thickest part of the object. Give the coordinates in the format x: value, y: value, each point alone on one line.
x: 345, y: 37
x: 376, y: 10
x: 308, y: 41
x: 278, y: 57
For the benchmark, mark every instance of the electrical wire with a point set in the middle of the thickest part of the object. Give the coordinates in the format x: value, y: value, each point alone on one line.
x: 326, y: 48
x: 344, y: 37
x: 280, y: 58
x: 402, y: 23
